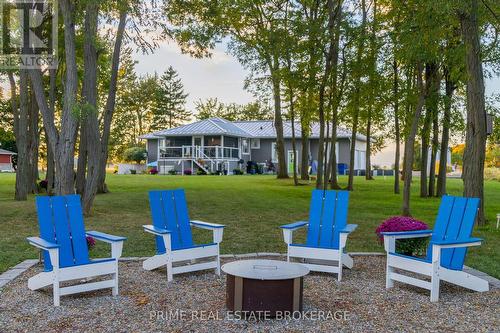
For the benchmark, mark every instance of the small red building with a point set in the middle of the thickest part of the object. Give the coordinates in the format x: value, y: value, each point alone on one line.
x: 6, y: 161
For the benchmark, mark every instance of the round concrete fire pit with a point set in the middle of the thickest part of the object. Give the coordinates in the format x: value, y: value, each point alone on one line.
x: 264, y: 285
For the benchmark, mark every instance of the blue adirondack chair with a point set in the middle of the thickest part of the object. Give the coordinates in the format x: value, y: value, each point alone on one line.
x: 64, y: 244
x: 446, y: 252
x: 174, y: 240
x: 326, y: 235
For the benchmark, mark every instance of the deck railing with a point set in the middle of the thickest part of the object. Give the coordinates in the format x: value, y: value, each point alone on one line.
x: 198, y: 152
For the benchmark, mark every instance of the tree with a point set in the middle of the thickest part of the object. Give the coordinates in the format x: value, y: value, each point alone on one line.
x: 170, y: 108
x: 135, y: 154
x: 255, y: 29
x: 475, y: 140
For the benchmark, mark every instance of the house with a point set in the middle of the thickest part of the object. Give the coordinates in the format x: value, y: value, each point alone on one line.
x: 217, y: 144
x: 6, y: 161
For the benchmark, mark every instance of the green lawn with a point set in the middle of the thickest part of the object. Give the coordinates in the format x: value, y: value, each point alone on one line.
x: 252, y: 207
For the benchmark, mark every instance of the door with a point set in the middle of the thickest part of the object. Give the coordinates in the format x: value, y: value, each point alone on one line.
x: 197, y: 143
x: 290, y: 161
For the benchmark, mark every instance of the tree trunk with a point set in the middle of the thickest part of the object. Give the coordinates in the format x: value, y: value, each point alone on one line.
x: 278, y: 119
x: 82, y: 161
x: 93, y: 140
x: 435, y: 145
x: 63, y: 142
x: 445, y: 139
x: 424, y: 154
x: 432, y: 102
x: 110, y: 104
x: 395, y: 89
x: 357, y: 97
x: 33, y: 144
x: 372, y: 89
x: 304, y: 158
x: 294, y: 146
x: 475, y: 140
x: 20, y: 129
x: 410, y: 142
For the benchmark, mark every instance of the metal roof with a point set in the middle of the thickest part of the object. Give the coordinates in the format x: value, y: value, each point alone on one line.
x: 7, y: 152
x: 212, y: 126
x: 247, y: 129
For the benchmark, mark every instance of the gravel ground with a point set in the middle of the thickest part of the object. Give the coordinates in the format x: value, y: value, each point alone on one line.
x: 360, y: 303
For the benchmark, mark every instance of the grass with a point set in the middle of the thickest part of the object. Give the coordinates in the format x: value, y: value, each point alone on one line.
x: 252, y: 207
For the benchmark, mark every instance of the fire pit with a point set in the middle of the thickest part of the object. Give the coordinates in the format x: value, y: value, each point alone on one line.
x: 264, y: 285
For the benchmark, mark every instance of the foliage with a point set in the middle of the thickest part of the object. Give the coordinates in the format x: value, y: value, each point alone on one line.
x: 413, y: 246
x: 90, y: 242
x: 200, y: 172
x: 172, y: 172
x: 457, y: 154
x: 212, y: 107
x: 237, y: 172
x: 153, y: 171
x: 492, y: 173
x: 169, y: 109
x: 135, y: 154
x: 188, y: 172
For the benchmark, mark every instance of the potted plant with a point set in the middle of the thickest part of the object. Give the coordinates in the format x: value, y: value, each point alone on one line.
x: 409, y: 246
x: 153, y: 171
x: 188, y: 172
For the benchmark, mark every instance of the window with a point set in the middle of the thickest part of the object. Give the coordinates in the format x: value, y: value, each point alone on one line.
x: 162, y: 143
x: 177, y: 141
x: 212, y: 140
x: 255, y: 144
x: 230, y: 141
x: 245, y: 147
x: 274, y: 153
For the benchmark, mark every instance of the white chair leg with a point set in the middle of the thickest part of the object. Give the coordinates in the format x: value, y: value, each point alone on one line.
x: 217, y: 270
x: 170, y: 275
x: 115, y: 278
x: 56, y: 290
x: 389, y: 283
x: 339, y: 275
x: 436, y: 259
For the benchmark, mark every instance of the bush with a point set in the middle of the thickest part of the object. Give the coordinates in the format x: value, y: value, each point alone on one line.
x: 90, y: 242
x: 135, y: 154
x: 413, y: 246
x: 492, y: 174
x: 172, y: 172
x: 237, y: 172
x: 133, y: 172
x: 188, y: 172
x: 153, y: 171
x: 200, y: 172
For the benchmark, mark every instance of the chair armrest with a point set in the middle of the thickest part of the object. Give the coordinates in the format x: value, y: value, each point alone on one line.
x: 155, y: 231
x: 206, y: 225
x: 349, y: 228
x: 408, y: 234
x: 217, y: 229
x: 42, y: 243
x: 295, y: 225
x: 458, y: 243
x: 105, y: 237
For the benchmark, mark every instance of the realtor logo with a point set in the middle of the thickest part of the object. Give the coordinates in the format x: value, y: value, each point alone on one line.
x: 29, y: 34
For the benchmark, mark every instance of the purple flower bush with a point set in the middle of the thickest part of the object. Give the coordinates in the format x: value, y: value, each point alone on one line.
x: 410, y: 246
x: 90, y: 242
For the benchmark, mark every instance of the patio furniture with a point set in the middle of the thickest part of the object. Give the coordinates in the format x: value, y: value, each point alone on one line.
x: 326, y: 235
x: 264, y: 285
x: 64, y: 244
x: 446, y: 252
x: 174, y: 240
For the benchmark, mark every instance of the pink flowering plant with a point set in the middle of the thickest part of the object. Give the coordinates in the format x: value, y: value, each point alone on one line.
x: 409, y: 246
x: 90, y: 242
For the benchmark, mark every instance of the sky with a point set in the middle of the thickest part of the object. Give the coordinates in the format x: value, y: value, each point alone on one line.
x: 223, y: 77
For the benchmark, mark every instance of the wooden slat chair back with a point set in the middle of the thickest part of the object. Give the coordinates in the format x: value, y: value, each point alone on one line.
x: 60, y: 221
x: 455, y: 221
x: 327, y: 217
x: 169, y: 211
